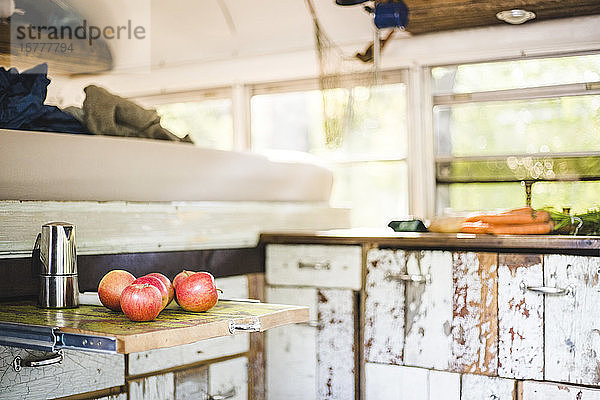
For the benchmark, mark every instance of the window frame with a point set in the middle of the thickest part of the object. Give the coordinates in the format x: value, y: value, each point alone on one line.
x: 441, y: 162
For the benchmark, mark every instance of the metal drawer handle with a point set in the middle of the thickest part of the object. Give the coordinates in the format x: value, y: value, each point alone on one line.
x: 252, y: 326
x: 223, y: 396
x: 316, y: 265
x: 409, y: 278
x: 19, y: 363
x: 555, y: 291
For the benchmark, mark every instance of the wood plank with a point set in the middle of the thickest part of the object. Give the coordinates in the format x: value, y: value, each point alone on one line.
x: 428, y: 341
x: 314, y: 265
x: 384, y: 307
x: 572, y: 332
x: 171, y: 327
x: 475, y: 308
x: 191, y: 384
x: 229, y: 377
x: 335, y: 344
x: 529, y: 390
x: 79, y: 372
x: 477, y: 387
x: 157, y: 387
x: 155, y: 360
x: 130, y: 227
x: 520, y: 317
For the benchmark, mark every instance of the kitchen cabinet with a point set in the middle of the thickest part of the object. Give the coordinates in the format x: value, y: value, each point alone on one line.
x: 216, y: 366
x: 470, y: 316
x: 317, y: 360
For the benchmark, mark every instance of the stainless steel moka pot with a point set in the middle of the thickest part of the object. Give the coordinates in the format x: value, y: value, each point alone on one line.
x: 59, y: 287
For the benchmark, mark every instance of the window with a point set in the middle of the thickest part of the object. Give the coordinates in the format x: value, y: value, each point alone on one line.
x: 500, y: 124
x: 367, y: 156
x: 209, y: 123
x: 206, y: 115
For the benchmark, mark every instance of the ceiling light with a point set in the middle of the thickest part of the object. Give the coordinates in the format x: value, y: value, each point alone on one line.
x: 515, y: 17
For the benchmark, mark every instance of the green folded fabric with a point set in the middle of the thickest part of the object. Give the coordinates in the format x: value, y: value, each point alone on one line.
x: 413, y: 225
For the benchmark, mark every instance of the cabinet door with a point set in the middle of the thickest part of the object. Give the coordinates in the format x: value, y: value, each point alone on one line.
x: 384, y: 307
x: 475, y: 309
x: 520, y: 317
x: 529, y: 390
x: 572, y: 329
x: 428, y: 337
x: 315, y: 360
x: 229, y: 379
x: 478, y: 387
x: 394, y: 382
x: 291, y: 351
x: 79, y: 372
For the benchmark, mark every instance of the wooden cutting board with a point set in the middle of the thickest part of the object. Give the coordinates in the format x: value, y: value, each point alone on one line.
x: 171, y: 328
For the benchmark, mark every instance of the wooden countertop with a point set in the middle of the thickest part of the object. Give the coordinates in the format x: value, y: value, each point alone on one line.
x: 388, y: 238
x: 171, y: 328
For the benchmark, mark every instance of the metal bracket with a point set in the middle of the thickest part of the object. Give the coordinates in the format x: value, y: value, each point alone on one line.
x: 252, y: 326
x: 51, y: 339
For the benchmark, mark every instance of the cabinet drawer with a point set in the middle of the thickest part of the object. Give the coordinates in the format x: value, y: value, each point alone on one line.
x: 79, y: 372
x: 314, y: 265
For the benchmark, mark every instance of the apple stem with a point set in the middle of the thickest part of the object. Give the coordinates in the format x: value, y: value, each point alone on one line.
x: 219, y: 290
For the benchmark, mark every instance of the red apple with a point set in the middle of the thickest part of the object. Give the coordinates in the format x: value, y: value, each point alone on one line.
x: 197, y: 292
x: 180, y: 277
x: 158, y: 284
x: 110, y: 287
x: 141, y: 302
x: 167, y: 283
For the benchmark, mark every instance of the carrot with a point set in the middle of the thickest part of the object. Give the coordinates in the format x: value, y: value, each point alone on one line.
x: 474, y: 227
x: 523, y: 229
x: 512, y: 218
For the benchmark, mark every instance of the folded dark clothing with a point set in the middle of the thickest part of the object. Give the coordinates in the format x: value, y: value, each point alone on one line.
x: 22, y: 97
x: 107, y: 114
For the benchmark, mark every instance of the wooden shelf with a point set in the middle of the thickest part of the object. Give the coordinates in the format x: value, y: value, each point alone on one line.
x: 171, y: 328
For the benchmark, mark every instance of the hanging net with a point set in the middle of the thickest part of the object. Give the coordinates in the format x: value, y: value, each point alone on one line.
x: 339, y: 76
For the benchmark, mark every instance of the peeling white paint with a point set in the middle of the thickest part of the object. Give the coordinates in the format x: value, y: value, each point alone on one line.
x: 521, y: 317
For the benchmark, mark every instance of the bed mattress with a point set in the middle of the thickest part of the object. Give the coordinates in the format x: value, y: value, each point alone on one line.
x: 50, y: 166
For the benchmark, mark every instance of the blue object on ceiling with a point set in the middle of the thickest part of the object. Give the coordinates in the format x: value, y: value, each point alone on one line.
x: 391, y: 15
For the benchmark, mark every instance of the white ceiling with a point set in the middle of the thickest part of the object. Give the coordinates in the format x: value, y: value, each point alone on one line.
x: 192, y: 31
